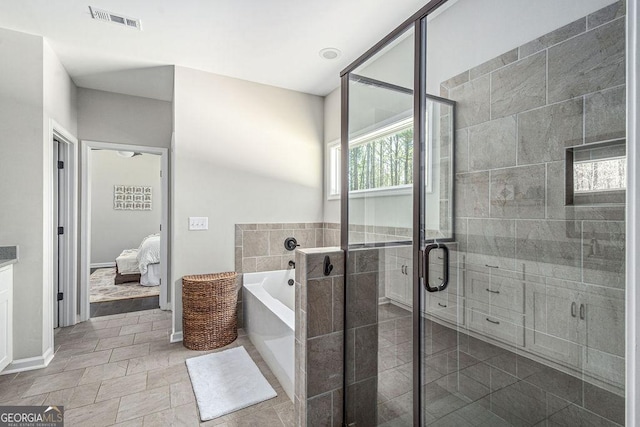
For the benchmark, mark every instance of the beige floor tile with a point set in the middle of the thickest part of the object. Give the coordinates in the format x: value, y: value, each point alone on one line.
x: 160, y: 335
x: 89, y: 359
x: 95, y: 415
x: 80, y: 347
x: 122, y: 322
x: 148, y: 363
x: 103, y: 333
x: 167, y: 376
x: 162, y: 324
x: 154, y: 317
x: 130, y: 352
x: 141, y: 313
x: 118, y: 387
x: 138, y: 422
x: 185, y: 415
x: 114, y: 342
x: 36, y: 400
x: 267, y: 417
x: 134, y: 329
x: 113, y: 316
x: 74, y: 397
x: 104, y: 372
x: 144, y: 403
x: 286, y: 412
x: 181, y: 394
x: 48, y: 383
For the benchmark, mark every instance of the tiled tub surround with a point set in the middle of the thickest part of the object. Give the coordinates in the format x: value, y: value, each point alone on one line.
x: 559, y: 270
x: 319, y: 338
x: 260, y: 247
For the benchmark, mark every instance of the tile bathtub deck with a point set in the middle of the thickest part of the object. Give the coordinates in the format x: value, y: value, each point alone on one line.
x: 122, y: 370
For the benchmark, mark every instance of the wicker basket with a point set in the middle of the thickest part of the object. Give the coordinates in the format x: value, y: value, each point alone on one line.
x: 209, y: 310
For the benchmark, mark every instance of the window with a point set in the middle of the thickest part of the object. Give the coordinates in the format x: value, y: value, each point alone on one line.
x: 600, y: 175
x: 597, y: 173
x: 380, y: 161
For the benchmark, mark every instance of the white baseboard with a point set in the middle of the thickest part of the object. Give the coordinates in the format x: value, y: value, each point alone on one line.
x: 383, y: 300
x: 176, y: 337
x: 29, y: 363
x: 102, y: 264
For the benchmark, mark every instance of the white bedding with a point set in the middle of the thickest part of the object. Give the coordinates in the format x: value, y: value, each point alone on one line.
x: 148, y: 252
x: 128, y: 262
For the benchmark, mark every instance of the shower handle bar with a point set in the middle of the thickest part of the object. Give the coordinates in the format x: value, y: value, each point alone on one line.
x: 425, y: 259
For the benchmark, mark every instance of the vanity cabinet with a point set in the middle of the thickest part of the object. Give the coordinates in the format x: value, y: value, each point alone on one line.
x: 399, y: 275
x: 6, y: 316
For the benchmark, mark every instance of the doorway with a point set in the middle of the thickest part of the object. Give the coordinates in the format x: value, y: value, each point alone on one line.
x: 63, y: 225
x: 124, y: 241
x: 507, y: 304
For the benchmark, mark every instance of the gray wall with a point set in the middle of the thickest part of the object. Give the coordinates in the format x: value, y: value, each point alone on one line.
x: 115, y: 230
x: 25, y: 110
x: 123, y: 119
x: 243, y: 153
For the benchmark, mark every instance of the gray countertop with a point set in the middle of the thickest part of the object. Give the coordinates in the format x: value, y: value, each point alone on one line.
x: 8, y: 255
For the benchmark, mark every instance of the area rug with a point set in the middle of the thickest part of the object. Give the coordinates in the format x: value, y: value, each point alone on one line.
x: 227, y: 381
x: 103, y: 288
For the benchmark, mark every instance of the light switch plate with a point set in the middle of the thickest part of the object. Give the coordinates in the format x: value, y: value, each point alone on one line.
x: 198, y: 223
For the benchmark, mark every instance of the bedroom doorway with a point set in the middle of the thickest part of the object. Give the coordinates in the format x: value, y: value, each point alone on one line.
x: 124, y: 234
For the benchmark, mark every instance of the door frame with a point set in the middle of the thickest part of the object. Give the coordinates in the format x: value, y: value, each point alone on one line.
x: 85, y: 215
x: 68, y: 200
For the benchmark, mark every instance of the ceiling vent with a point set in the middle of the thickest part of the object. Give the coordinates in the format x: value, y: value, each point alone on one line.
x: 103, y: 15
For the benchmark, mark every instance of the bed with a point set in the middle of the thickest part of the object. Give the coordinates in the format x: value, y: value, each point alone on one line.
x: 140, y: 265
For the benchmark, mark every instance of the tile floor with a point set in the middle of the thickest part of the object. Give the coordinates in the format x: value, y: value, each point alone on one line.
x: 122, y: 370
x: 468, y: 382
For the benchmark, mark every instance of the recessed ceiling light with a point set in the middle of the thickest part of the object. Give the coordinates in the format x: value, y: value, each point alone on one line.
x: 330, y: 53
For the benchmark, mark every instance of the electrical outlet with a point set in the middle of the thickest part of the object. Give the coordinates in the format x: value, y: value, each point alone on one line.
x: 198, y: 223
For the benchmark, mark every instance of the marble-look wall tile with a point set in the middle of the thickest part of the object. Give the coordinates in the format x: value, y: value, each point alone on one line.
x: 324, y: 363
x: 493, y: 144
x: 255, y: 243
x: 555, y: 196
x: 550, y: 248
x: 561, y: 34
x: 462, y: 151
x: 366, y: 352
x: 472, y: 198
x: 605, y: 115
x: 518, y: 192
x: 319, y: 307
x: 473, y: 102
x: 544, y: 133
x: 519, y: 86
x: 362, y: 299
x: 604, y: 253
x: 319, y: 412
x: 606, y: 14
x: 494, y: 63
x: 456, y: 80
x: 587, y: 63
x: 492, y: 242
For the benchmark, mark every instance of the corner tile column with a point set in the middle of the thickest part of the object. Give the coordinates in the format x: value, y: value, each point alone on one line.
x: 319, y: 343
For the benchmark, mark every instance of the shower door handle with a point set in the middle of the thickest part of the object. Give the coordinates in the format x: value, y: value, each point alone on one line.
x: 445, y: 267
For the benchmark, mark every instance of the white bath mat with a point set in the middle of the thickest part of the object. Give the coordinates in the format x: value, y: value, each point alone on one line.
x: 226, y: 382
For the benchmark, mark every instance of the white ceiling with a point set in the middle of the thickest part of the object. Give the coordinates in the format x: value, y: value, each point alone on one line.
x: 275, y: 42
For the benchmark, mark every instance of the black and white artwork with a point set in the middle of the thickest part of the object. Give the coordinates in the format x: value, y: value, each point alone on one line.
x: 132, y: 198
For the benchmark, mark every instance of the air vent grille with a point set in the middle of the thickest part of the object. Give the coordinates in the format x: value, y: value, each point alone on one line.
x: 103, y: 15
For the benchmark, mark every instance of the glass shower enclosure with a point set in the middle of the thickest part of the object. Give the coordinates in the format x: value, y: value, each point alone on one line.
x: 483, y: 217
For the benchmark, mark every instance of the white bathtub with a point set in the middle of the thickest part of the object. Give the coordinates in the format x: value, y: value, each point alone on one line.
x: 269, y: 320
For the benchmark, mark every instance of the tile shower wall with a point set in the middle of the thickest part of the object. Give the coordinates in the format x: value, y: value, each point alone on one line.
x: 516, y: 115
x: 319, y: 338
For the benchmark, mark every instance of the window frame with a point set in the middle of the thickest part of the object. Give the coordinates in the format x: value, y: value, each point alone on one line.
x: 333, y: 159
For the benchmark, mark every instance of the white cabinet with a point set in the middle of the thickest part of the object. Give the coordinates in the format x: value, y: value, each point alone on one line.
x: 6, y: 316
x: 399, y: 275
